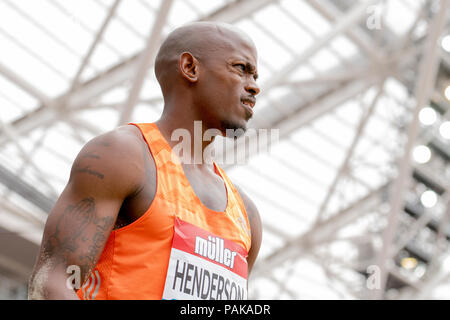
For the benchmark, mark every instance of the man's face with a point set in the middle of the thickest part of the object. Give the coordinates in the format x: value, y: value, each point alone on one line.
x: 227, y: 86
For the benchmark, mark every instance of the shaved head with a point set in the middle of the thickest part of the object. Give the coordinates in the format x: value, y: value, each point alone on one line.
x: 207, y: 71
x: 201, y: 39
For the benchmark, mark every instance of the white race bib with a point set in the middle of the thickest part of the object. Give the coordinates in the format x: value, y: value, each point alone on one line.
x: 203, y: 266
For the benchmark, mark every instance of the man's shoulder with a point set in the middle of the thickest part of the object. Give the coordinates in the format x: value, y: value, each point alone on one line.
x: 119, y: 151
x: 121, y: 137
x: 124, y: 141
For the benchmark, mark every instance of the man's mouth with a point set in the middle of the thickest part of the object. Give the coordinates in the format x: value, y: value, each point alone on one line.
x: 249, y: 102
x: 248, y: 105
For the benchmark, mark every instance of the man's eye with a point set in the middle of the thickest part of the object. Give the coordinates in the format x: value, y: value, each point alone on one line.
x: 240, y: 66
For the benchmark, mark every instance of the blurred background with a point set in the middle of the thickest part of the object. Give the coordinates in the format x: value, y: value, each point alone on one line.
x: 354, y: 197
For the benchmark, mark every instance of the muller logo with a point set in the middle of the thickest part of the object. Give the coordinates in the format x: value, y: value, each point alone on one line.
x: 214, y: 249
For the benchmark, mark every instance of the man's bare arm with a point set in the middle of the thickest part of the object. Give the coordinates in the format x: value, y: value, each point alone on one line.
x: 107, y: 170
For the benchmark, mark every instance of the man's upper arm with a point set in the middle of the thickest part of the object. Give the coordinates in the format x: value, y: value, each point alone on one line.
x: 255, y: 227
x: 105, y: 172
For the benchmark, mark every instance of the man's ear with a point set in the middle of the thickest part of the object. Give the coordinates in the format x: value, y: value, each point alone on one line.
x: 189, y: 67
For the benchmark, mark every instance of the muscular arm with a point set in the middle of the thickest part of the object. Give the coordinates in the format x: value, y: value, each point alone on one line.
x: 255, y: 227
x: 106, y: 171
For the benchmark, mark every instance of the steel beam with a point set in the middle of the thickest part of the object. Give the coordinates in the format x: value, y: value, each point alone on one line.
x: 18, y: 256
x: 51, y: 110
x: 303, y: 115
x: 345, y: 165
x: 13, y: 136
x: 236, y: 10
x: 27, y: 191
x: 24, y: 84
x: 424, y: 86
x: 345, y: 22
x: 435, y: 271
x: 97, y: 39
x: 325, y: 103
x: 330, y: 12
x: 321, y: 233
x: 118, y: 74
x: 145, y: 61
x: 37, y: 219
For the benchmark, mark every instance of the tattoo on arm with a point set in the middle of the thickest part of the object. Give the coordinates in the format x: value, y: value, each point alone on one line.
x: 101, y: 143
x: 102, y: 227
x: 90, y: 171
x: 71, y: 224
x: 70, y: 234
x: 91, y: 155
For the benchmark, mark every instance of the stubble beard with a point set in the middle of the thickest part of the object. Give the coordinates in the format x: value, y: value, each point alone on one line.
x: 232, y: 129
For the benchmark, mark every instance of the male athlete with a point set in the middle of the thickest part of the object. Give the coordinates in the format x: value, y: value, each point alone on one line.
x: 136, y: 222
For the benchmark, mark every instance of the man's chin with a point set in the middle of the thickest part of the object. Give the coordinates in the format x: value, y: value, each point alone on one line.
x: 233, y: 129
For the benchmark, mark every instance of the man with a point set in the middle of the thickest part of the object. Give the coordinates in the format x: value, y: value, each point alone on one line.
x: 134, y: 222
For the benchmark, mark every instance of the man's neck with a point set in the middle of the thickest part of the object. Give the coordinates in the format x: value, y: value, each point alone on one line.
x: 177, y: 128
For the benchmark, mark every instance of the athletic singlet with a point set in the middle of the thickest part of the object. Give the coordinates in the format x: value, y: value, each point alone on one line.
x: 179, y: 248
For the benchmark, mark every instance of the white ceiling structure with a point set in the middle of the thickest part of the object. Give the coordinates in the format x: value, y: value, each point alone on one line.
x: 354, y: 194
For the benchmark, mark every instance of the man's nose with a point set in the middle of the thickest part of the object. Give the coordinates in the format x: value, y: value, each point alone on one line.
x: 252, y: 87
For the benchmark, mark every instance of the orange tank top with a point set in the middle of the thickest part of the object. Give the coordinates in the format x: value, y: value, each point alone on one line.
x: 135, y: 261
